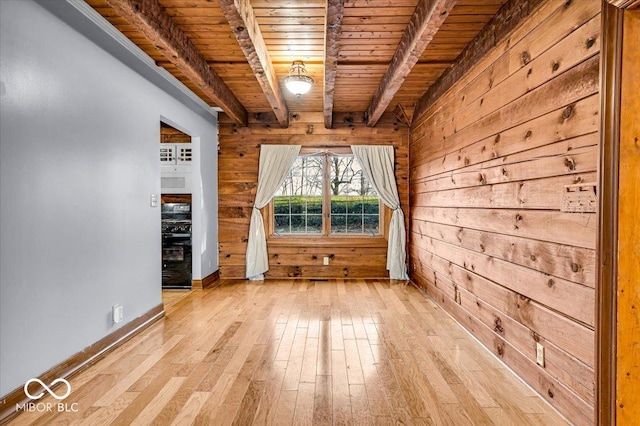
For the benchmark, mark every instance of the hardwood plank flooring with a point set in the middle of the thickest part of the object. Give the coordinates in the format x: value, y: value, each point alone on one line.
x: 301, y: 352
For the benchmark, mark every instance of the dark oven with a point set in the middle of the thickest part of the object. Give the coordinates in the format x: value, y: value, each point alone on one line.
x: 176, y: 245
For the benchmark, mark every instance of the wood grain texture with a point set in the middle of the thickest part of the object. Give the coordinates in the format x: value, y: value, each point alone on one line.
x: 82, y: 360
x: 507, y: 18
x: 425, y: 22
x: 333, y: 28
x: 150, y: 18
x: 300, y: 352
x: 292, y: 30
x: 245, y: 27
x: 624, y: 4
x: 607, y: 267
x: 299, y: 257
x: 628, y: 340
x: 489, y: 159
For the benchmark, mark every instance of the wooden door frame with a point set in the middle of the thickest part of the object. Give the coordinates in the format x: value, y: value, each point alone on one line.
x: 607, y: 244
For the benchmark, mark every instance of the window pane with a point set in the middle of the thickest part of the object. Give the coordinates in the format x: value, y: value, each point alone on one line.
x: 282, y: 224
x: 298, y: 203
x: 281, y: 205
x: 372, y: 224
x: 296, y: 206
x: 338, y: 205
x: 371, y: 205
x: 298, y: 224
x: 354, y: 205
x: 354, y: 224
x: 299, y: 199
x: 338, y: 224
x: 352, y: 198
x: 314, y: 205
x: 314, y: 224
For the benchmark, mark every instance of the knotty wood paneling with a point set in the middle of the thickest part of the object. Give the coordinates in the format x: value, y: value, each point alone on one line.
x: 628, y: 295
x: 238, y: 159
x: 489, y: 160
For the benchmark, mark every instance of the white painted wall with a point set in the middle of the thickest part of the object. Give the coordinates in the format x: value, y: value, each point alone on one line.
x: 79, y: 136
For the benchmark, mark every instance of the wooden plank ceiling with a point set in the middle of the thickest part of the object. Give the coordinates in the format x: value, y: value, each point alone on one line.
x: 382, y: 55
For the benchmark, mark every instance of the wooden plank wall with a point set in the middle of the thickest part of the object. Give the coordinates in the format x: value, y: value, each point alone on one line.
x: 488, y: 163
x: 238, y: 160
x: 169, y: 134
x: 628, y: 300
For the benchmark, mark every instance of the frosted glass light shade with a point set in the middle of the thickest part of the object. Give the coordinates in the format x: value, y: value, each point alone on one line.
x: 298, y: 85
x: 298, y: 82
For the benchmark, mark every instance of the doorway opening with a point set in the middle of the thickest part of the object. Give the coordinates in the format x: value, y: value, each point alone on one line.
x: 176, y: 157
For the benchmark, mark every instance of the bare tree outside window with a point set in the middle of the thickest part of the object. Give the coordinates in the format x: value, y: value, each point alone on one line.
x: 298, y: 202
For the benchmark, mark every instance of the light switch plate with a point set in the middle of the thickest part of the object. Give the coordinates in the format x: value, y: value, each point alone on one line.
x: 154, y: 200
x: 579, y: 198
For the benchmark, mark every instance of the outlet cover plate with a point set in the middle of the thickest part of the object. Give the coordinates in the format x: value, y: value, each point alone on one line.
x: 118, y: 313
x: 539, y: 354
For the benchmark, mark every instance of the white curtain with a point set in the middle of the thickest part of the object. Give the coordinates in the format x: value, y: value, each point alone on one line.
x: 377, y: 164
x: 275, y: 163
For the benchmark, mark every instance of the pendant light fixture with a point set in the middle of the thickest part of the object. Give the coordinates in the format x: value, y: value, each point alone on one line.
x: 298, y: 82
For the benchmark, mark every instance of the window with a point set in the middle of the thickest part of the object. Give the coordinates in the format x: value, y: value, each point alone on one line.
x: 326, y: 194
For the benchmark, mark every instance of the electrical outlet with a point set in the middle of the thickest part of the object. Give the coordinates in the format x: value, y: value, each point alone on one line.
x: 539, y: 354
x: 117, y: 313
x: 325, y: 260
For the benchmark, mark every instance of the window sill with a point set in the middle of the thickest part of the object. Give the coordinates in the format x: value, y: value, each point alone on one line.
x: 334, y: 240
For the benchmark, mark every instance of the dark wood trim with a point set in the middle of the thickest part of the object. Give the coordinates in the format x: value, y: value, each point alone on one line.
x: 81, y: 360
x: 212, y: 280
x: 341, y: 120
x: 624, y: 4
x: 152, y: 20
x: 508, y: 17
x: 427, y: 18
x: 172, y: 135
x: 607, y: 246
x: 175, y: 198
x: 334, y: 13
x: 244, y: 26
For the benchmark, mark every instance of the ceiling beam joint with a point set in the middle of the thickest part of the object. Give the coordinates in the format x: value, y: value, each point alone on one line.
x: 427, y: 18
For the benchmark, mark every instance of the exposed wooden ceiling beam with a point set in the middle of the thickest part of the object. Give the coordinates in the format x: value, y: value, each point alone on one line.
x: 151, y: 19
x: 425, y: 22
x: 245, y: 27
x: 509, y: 16
x: 333, y: 28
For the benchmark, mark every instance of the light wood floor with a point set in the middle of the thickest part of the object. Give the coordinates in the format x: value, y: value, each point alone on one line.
x: 301, y: 352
